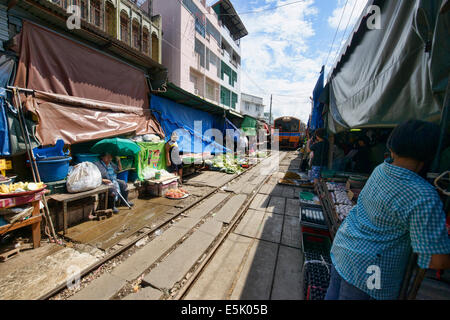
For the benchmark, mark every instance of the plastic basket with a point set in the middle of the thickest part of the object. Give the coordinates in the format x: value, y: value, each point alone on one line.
x: 53, y: 170
x: 50, y: 152
x: 305, y: 195
x: 328, y: 174
x: 316, y: 244
x: 123, y: 176
x: 57, y: 187
x: 316, y: 280
x: 321, y: 232
x: 313, y: 217
x: 86, y: 157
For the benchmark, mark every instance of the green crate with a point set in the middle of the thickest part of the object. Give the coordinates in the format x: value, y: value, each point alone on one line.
x: 57, y: 187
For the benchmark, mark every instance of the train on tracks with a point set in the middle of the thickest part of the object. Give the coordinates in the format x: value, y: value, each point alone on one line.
x: 291, y: 132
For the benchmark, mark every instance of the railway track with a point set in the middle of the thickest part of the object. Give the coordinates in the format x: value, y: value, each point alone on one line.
x: 237, y: 185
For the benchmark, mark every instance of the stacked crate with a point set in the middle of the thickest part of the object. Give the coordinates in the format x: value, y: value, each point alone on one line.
x: 316, y: 246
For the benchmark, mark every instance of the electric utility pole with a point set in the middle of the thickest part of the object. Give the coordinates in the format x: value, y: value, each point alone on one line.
x: 270, y: 115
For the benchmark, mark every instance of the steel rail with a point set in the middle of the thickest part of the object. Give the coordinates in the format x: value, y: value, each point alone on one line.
x: 114, y: 254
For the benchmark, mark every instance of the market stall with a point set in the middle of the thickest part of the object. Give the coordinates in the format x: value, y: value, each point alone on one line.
x: 197, y: 131
x: 19, y: 209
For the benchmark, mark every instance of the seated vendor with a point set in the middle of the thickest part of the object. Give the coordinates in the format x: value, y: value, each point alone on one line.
x: 109, y: 175
x: 173, y: 158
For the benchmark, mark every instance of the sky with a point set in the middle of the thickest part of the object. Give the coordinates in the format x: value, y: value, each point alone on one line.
x: 287, y: 46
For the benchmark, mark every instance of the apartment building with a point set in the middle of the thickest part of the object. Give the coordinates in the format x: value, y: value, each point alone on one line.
x: 252, y: 106
x: 123, y: 27
x: 201, y: 48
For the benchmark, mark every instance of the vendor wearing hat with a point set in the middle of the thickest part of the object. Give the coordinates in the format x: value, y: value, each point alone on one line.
x: 109, y: 175
x: 173, y: 159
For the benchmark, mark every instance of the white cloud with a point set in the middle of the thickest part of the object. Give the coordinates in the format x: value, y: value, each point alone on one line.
x: 275, y: 57
x: 357, y: 6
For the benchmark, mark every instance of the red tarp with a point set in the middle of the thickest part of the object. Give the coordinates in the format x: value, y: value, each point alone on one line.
x: 97, y: 95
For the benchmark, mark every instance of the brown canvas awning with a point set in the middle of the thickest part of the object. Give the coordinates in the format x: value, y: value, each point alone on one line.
x: 78, y: 120
x: 81, y: 94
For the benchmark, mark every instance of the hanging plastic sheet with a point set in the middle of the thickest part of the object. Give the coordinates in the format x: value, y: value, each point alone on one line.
x: 316, y: 117
x: 249, y: 126
x: 152, y: 155
x: 193, y: 126
x: 5, y: 149
x: 398, y: 72
x: 50, y: 62
x: 7, y: 71
x: 77, y: 120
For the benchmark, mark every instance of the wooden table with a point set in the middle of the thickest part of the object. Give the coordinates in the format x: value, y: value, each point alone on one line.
x: 65, y: 198
x: 34, y: 220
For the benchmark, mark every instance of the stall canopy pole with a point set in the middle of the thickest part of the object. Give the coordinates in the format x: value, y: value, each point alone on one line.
x: 34, y: 169
x: 444, y: 128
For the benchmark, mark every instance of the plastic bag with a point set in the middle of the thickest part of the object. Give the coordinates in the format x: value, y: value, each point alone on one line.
x: 83, y: 177
x: 149, y: 173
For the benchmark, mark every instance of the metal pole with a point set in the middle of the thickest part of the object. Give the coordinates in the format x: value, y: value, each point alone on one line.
x: 123, y: 199
x: 444, y: 126
x: 270, y: 115
x: 34, y: 169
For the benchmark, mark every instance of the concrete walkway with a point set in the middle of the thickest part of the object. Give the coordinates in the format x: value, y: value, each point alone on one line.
x: 262, y: 258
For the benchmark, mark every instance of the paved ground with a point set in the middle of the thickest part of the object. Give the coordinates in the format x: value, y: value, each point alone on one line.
x: 259, y: 258
x: 164, y: 265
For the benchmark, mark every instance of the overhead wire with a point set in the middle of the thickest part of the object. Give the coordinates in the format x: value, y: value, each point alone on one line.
x: 256, y: 11
x: 335, y: 34
x: 341, y: 44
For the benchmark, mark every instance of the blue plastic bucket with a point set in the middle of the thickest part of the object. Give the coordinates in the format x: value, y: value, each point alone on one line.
x: 53, y: 170
x: 123, y: 176
x: 86, y: 157
x: 132, y: 176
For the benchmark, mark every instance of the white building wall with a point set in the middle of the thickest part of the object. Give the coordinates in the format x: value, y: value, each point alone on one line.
x: 252, y: 106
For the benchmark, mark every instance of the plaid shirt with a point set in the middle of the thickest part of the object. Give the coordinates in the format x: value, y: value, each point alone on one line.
x: 397, y: 211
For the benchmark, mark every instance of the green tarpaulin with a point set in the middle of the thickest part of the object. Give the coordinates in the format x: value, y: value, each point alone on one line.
x: 249, y: 126
x: 151, y: 155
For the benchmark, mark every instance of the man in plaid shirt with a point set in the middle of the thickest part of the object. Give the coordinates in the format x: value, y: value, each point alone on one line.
x: 397, y: 212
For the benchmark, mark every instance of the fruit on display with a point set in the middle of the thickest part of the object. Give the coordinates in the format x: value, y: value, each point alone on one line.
x: 343, y: 210
x: 20, y: 187
x: 341, y: 197
x: 292, y: 175
x: 176, y: 193
x: 334, y: 186
x: 287, y: 181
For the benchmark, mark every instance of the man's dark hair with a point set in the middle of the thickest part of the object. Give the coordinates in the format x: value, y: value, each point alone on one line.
x: 415, y: 139
x: 320, y: 133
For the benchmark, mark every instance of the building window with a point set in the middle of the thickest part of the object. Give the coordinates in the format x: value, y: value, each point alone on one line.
x: 124, y: 27
x: 136, y: 35
x: 234, y: 100
x: 96, y: 13
x: 247, y: 106
x: 155, y: 47
x: 225, y: 96
x: 210, y: 91
x: 83, y: 8
x: 200, y: 51
x: 145, y: 46
x: 213, y: 31
x: 110, y: 19
x: 233, y: 78
x: 226, y: 70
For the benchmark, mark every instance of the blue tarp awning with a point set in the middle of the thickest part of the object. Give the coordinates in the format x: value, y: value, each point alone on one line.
x: 7, y: 70
x: 316, y: 117
x: 193, y: 126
